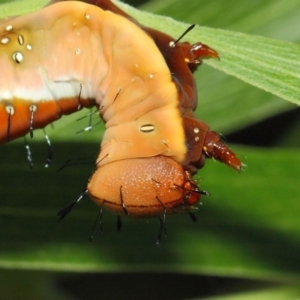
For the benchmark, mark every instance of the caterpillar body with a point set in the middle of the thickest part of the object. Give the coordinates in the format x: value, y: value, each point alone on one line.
x: 74, y: 54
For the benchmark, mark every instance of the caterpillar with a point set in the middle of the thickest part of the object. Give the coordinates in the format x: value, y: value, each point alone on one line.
x: 73, y: 54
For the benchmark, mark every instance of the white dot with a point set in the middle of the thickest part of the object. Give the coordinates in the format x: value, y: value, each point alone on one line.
x: 32, y: 108
x: 17, y: 57
x: 172, y: 44
x: 28, y: 47
x: 10, y: 109
x: 4, y: 40
x: 9, y: 28
x: 196, y: 130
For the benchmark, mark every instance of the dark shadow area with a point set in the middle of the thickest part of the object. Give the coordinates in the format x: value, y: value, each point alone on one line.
x: 266, y: 133
x: 158, y: 286
x: 22, y: 284
x: 136, y: 3
x: 32, y: 198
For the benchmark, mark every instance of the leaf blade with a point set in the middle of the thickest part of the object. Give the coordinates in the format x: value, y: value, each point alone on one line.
x: 241, y: 55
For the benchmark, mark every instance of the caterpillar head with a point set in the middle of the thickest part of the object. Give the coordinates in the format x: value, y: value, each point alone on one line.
x: 143, y: 187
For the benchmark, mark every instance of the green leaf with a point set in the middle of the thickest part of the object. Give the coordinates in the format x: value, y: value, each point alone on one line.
x: 265, y: 63
x: 275, y: 293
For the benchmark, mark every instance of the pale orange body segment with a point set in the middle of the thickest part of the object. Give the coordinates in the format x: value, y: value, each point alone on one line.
x: 46, y: 65
x: 78, y: 51
x: 139, y: 92
x: 143, y: 187
x: 183, y: 59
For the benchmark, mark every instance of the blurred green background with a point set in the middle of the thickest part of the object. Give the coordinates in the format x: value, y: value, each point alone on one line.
x: 246, y: 242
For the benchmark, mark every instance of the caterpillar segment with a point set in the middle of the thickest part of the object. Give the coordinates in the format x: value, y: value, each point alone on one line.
x: 183, y: 59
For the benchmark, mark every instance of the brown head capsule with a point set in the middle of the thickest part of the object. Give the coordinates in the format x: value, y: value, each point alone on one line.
x: 143, y: 187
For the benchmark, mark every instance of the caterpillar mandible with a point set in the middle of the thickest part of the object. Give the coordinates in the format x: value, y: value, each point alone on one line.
x: 74, y: 54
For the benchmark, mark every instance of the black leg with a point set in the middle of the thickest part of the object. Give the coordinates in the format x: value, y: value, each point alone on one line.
x: 50, y: 150
x: 193, y: 217
x: 63, y: 212
x: 162, y: 228
x: 98, y: 218
x: 119, y: 223
x: 122, y: 202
